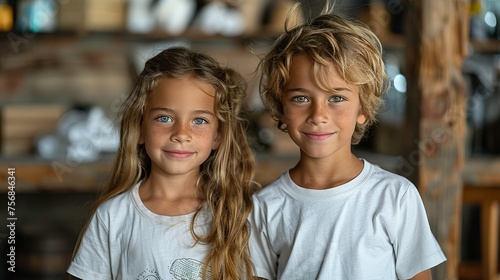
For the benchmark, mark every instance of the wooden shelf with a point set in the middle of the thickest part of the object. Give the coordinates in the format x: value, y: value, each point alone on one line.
x: 482, y: 171
x: 486, y: 46
x: 34, y: 174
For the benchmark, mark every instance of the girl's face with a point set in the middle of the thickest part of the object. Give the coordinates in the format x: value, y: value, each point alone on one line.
x: 179, y: 127
x: 320, y: 122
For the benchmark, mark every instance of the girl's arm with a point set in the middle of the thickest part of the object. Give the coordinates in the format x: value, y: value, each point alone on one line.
x: 424, y: 275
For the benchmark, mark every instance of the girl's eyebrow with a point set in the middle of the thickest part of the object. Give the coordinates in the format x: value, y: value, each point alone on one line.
x: 296, y: 89
x: 196, y: 112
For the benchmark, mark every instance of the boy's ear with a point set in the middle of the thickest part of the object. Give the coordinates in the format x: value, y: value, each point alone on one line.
x: 361, y: 119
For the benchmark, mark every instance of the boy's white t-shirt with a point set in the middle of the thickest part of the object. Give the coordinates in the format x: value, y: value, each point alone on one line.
x: 373, y: 227
x: 127, y: 241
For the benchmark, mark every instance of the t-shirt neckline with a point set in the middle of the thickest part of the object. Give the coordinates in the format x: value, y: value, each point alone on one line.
x: 346, y: 188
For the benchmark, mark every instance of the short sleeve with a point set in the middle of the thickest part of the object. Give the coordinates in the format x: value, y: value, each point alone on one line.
x: 92, y: 259
x: 416, y: 247
x: 262, y: 255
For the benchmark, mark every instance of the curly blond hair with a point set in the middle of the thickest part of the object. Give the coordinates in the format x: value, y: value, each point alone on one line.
x: 328, y: 39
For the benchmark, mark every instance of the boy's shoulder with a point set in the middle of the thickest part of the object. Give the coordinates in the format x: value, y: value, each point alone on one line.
x: 272, y: 189
x: 379, y: 173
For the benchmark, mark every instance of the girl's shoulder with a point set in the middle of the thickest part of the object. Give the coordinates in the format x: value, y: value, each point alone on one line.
x: 121, y: 201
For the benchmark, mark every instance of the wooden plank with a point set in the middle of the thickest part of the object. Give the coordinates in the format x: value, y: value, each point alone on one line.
x: 20, y: 124
x: 482, y: 171
x: 58, y: 175
x: 489, y: 239
x: 436, y: 44
x: 28, y: 129
x: 13, y: 147
x: 470, y: 271
x: 481, y: 194
x: 30, y: 112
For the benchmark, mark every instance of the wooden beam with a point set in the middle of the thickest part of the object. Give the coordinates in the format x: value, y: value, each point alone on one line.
x: 436, y: 38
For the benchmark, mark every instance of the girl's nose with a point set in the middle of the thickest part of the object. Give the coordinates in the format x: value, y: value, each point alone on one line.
x: 181, y: 132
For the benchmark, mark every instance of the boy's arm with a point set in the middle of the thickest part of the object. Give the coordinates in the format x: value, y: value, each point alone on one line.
x: 424, y: 275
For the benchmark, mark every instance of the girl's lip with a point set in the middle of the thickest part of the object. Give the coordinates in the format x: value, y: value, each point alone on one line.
x: 318, y: 136
x: 178, y: 154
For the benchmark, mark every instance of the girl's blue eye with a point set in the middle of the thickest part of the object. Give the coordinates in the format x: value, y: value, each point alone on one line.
x: 299, y: 99
x: 199, y: 121
x: 337, y: 98
x: 164, y: 119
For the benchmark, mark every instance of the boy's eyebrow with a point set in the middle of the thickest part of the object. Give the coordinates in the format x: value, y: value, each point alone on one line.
x: 168, y: 110
x: 342, y: 89
x: 305, y: 90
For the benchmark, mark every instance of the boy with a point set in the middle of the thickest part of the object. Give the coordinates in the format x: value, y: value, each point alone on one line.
x: 333, y: 215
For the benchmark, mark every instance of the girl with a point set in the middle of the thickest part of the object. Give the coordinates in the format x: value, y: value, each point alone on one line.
x: 179, y: 197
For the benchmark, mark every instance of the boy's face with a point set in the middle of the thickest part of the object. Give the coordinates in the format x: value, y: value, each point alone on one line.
x: 320, y: 122
x: 179, y: 127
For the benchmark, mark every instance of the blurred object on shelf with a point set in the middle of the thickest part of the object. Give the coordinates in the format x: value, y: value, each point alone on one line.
x: 139, y: 16
x: 82, y: 135
x: 491, y: 18
x: 6, y: 16
x: 71, y: 72
x: 171, y: 16
x: 478, y: 28
x: 174, y: 16
x: 484, y: 17
x: 218, y: 18
x: 37, y: 16
x: 92, y: 15
x: 22, y: 124
x: 482, y: 74
x: 214, y: 17
x: 387, y: 133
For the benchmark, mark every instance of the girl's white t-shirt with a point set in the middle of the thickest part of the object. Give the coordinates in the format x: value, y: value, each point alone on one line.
x: 125, y: 240
x: 373, y: 227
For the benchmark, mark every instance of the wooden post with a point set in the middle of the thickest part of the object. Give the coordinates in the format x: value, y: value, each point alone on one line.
x: 436, y: 39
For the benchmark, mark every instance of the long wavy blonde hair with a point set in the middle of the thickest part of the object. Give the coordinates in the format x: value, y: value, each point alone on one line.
x: 328, y: 39
x: 226, y: 176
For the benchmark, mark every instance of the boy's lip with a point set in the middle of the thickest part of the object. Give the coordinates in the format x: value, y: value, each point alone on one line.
x: 318, y: 136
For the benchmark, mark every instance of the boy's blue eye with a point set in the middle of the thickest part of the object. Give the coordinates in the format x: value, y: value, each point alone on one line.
x: 300, y: 99
x: 337, y: 98
x: 199, y: 121
x: 164, y: 119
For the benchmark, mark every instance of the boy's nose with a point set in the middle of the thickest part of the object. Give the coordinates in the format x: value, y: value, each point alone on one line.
x: 318, y: 114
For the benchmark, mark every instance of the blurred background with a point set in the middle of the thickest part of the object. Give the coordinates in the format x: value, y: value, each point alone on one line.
x: 66, y: 65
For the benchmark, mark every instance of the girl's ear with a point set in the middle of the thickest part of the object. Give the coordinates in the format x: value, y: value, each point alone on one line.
x: 141, y: 138
x: 217, y: 140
